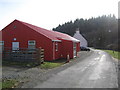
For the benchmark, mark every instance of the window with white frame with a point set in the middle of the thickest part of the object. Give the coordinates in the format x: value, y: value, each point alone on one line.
x: 56, y: 47
x: 1, y: 45
x: 31, y: 44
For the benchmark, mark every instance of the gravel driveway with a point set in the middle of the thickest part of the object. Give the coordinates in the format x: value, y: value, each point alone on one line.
x: 29, y: 77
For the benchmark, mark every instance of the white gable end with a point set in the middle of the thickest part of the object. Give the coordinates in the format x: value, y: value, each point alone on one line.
x: 83, y: 41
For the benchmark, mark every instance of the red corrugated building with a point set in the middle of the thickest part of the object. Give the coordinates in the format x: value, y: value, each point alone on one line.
x: 56, y: 45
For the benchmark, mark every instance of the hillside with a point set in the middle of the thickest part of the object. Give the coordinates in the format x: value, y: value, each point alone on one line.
x: 100, y: 32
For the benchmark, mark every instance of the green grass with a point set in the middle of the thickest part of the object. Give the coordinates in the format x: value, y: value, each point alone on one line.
x: 46, y: 65
x: 0, y: 85
x: 115, y: 54
x: 8, y: 83
x: 49, y: 65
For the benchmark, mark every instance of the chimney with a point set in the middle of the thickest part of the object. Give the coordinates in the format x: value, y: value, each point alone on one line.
x: 77, y: 30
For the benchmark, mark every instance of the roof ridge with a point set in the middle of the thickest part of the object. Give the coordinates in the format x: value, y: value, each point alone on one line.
x: 52, y: 35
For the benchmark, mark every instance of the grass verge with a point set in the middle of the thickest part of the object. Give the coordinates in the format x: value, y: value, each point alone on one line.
x: 45, y: 65
x: 0, y: 85
x: 9, y: 83
x: 50, y: 65
x: 115, y: 54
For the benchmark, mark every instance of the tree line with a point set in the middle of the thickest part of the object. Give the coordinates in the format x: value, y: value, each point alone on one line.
x: 100, y: 32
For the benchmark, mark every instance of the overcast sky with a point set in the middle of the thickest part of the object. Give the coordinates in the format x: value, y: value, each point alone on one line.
x: 50, y: 13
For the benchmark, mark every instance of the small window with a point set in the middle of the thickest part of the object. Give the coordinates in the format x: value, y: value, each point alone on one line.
x: 31, y: 44
x: 14, y: 26
x: 14, y: 39
x: 56, y: 47
x: 1, y: 46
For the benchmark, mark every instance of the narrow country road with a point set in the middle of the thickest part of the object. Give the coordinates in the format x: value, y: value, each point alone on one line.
x: 96, y: 71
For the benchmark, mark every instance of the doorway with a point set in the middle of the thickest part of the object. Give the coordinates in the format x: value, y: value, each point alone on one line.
x: 74, y: 50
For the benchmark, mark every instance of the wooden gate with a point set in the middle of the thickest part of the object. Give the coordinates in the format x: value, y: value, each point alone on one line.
x: 24, y: 55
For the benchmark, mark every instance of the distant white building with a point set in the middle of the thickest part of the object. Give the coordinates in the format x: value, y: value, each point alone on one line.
x: 83, y: 41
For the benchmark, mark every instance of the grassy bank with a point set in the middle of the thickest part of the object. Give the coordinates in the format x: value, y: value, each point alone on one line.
x: 45, y: 65
x: 9, y: 83
x: 0, y: 85
x: 49, y: 65
x: 115, y: 54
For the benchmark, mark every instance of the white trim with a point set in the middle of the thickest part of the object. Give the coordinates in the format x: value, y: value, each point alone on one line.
x: 75, y: 41
x: 56, y: 40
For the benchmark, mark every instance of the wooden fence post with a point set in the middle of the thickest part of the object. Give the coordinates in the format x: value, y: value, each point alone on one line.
x: 39, y: 54
x: 42, y: 55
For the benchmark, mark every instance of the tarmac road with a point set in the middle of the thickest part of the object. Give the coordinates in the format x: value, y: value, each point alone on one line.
x: 96, y: 71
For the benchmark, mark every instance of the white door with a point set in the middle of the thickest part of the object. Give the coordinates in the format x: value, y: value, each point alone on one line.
x: 15, y: 45
x: 74, y: 49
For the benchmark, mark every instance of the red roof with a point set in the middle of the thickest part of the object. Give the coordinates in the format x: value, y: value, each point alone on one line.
x: 53, y: 35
